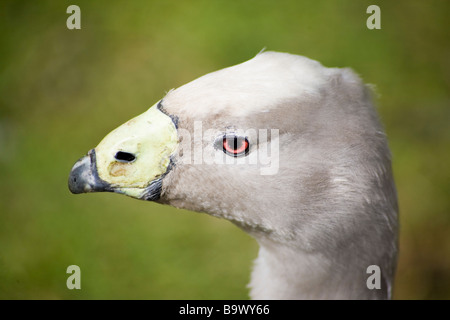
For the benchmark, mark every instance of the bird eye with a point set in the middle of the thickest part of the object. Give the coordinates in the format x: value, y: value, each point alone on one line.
x: 125, y: 156
x: 235, y: 146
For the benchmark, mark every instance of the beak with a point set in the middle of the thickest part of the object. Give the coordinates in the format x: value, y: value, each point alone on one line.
x: 84, y: 176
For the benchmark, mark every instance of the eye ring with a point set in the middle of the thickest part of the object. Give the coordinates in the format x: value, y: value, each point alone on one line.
x: 235, y: 146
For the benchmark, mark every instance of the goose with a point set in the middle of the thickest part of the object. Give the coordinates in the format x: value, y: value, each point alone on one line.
x: 290, y: 151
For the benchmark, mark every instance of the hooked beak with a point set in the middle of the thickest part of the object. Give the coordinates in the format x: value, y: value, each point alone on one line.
x: 84, y: 177
x: 131, y: 160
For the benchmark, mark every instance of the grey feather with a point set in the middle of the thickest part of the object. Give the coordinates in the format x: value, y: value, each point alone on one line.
x: 331, y: 210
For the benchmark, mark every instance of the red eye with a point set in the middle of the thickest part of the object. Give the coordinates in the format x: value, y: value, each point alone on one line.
x: 235, y: 146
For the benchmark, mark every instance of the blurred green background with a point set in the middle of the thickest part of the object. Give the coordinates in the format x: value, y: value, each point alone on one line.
x: 62, y: 90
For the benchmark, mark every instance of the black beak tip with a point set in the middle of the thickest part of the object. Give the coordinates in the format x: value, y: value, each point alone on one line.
x: 84, y: 178
x: 78, y: 184
x: 74, y: 185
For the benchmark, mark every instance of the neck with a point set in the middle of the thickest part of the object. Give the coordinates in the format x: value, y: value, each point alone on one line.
x: 286, y: 273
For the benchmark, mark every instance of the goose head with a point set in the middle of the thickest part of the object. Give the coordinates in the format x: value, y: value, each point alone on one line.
x: 290, y: 151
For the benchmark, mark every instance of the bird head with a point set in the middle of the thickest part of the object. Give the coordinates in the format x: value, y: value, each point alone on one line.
x: 213, y: 142
x: 287, y: 149
x: 268, y: 144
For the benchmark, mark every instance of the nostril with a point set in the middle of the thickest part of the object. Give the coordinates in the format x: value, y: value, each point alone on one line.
x: 125, y: 156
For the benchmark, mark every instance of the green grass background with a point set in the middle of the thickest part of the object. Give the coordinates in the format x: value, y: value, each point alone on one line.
x: 62, y: 90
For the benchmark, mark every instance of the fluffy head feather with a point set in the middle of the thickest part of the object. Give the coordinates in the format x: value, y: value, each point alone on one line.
x: 328, y: 210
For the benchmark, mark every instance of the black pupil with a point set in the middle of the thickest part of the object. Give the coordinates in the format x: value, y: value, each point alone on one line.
x: 125, y: 156
x: 235, y: 143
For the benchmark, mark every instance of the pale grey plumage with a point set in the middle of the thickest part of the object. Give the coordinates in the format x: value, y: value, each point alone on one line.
x: 331, y: 210
x: 328, y: 213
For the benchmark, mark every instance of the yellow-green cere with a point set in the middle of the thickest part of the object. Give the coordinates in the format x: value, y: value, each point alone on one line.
x: 151, y: 137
